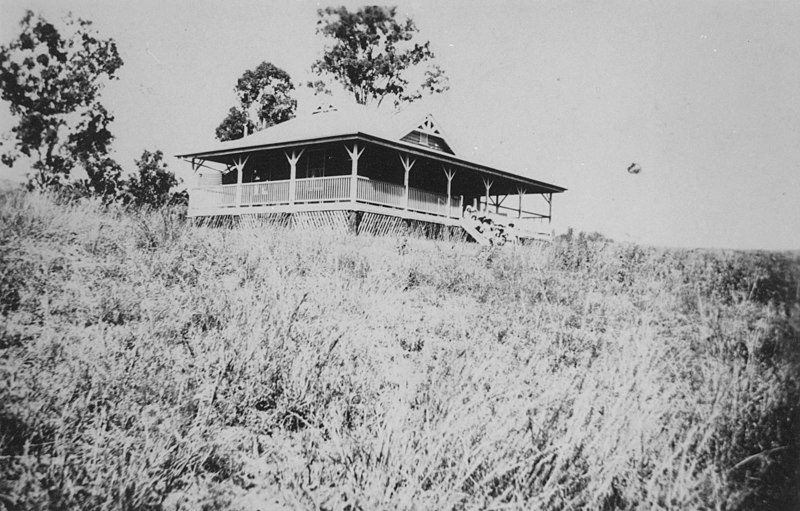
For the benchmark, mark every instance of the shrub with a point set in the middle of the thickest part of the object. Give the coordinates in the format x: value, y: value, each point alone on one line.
x: 152, y: 184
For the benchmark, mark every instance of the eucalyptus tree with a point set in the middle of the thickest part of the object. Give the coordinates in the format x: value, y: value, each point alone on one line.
x: 52, y: 80
x: 264, y: 97
x: 375, y: 55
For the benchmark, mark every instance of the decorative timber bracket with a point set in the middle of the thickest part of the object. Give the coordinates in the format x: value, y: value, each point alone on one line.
x: 408, y: 163
x: 239, y: 165
x: 354, y: 155
x: 449, y: 174
x: 293, y: 158
x: 487, y: 183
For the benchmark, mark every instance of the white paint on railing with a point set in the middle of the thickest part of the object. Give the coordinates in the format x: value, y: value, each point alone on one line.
x: 427, y: 202
x: 265, y: 193
x: 320, y: 189
x: 455, y: 207
x: 380, y: 192
x: 214, y: 196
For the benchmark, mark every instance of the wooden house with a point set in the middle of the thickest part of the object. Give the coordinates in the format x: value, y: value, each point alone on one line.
x: 363, y: 170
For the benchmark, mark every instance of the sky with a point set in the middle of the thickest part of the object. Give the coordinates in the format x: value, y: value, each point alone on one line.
x: 703, y: 95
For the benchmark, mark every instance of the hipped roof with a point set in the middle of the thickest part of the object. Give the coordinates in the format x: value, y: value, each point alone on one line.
x: 359, y: 122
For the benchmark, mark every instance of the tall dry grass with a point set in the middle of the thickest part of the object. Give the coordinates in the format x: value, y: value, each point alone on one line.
x: 149, y: 364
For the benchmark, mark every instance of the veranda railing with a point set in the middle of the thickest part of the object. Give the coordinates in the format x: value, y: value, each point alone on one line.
x: 213, y: 196
x: 427, y: 202
x: 323, y: 189
x: 320, y: 189
x: 380, y: 192
x: 268, y: 192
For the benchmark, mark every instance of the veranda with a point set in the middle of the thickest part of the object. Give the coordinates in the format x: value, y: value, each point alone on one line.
x: 261, y: 183
x: 320, y: 165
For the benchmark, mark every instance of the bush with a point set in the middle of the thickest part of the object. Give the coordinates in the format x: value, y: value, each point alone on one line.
x: 152, y: 185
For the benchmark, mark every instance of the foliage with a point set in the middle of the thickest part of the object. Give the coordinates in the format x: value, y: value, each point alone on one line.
x: 375, y: 56
x: 265, y: 99
x: 52, y: 84
x: 235, y: 125
x: 149, y: 363
x: 152, y: 185
x: 104, y: 177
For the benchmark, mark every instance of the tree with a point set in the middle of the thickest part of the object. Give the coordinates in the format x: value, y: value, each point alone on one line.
x: 52, y: 85
x: 104, y: 177
x: 235, y: 125
x: 265, y: 99
x: 152, y: 185
x: 374, y: 56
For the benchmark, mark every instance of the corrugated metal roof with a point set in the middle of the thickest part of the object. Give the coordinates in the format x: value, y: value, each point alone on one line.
x: 340, y: 122
x: 350, y: 121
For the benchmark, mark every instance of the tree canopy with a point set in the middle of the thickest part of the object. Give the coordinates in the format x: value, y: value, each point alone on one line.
x: 52, y: 84
x: 152, y: 184
x: 375, y: 56
x: 264, y: 99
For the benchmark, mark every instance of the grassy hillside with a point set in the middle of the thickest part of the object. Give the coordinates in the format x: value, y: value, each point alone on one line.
x: 146, y: 363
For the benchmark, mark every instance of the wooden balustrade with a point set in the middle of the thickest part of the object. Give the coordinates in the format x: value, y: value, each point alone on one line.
x: 218, y: 196
x: 455, y: 207
x: 427, y: 202
x: 227, y: 195
x: 265, y: 193
x: 512, y: 212
x: 380, y: 192
x: 322, y: 189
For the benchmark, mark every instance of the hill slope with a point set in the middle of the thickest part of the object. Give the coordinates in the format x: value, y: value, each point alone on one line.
x: 146, y: 363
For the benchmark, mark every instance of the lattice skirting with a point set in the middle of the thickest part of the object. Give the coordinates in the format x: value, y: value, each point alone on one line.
x: 454, y: 233
x: 435, y: 231
x: 388, y: 225
x: 330, y: 220
x: 221, y: 221
x: 381, y: 225
x: 374, y: 224
x: 262, y: 219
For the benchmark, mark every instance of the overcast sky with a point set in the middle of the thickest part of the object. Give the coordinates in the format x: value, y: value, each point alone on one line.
x: 704, y: 96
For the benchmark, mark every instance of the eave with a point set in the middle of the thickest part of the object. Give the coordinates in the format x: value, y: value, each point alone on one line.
x: 540, y: 186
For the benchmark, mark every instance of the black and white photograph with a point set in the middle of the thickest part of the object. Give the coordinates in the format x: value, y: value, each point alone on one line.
x: 265, y: 255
